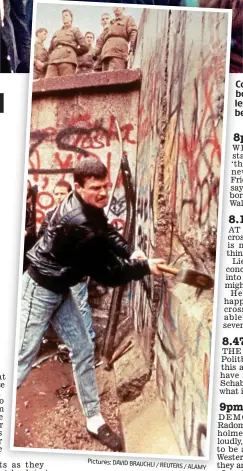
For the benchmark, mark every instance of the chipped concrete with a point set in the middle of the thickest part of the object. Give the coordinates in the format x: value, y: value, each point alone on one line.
x: 131, y: 372
x: 146, y: 426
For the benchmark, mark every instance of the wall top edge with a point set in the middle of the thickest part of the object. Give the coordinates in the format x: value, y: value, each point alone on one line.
x: 94, y: 82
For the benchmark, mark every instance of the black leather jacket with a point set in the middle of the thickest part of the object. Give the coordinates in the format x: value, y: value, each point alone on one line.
x: 45, y: 222
x: 78, y: 242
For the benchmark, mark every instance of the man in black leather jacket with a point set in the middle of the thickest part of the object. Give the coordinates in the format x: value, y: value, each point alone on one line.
x: 80, y: 290
x: 78, y: 241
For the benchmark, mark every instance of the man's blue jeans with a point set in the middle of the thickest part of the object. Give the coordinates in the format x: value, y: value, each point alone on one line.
x: 80, y: 294
x: 41, y: 307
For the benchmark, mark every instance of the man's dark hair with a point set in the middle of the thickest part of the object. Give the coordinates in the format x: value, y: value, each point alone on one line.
x: 89, y: 32
x: 64, y: 184
x: 69, y: 11
x: 89, y: 167
x: 40, y: 31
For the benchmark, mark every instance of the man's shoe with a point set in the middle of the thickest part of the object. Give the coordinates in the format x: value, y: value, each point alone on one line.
x: 108, y: 438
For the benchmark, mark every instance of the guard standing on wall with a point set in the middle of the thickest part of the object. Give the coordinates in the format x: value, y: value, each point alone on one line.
x: 113, y: 44
x: 64, y: 46
x: 86, y: 61
x: 41, y: 54
x: 105, y: 20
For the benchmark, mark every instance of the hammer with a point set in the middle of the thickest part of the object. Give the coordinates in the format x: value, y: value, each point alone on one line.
x: 115, y: 356
x: 189, y: 276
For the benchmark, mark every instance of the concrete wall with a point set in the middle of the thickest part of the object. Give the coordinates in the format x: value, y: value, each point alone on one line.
x: 182, y: 58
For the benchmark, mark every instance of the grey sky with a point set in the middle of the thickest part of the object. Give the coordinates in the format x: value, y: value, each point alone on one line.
x: 86, y: 17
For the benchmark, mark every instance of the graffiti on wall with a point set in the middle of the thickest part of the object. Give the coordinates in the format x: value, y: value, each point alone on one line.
x: 194, y: 132
x: 182, y: 369
x: 144, y: 290
x: 147, y: 178
x: 197, y: 157
x: 54, y: 151
x: 180, y: 129
x: 146, y: 216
